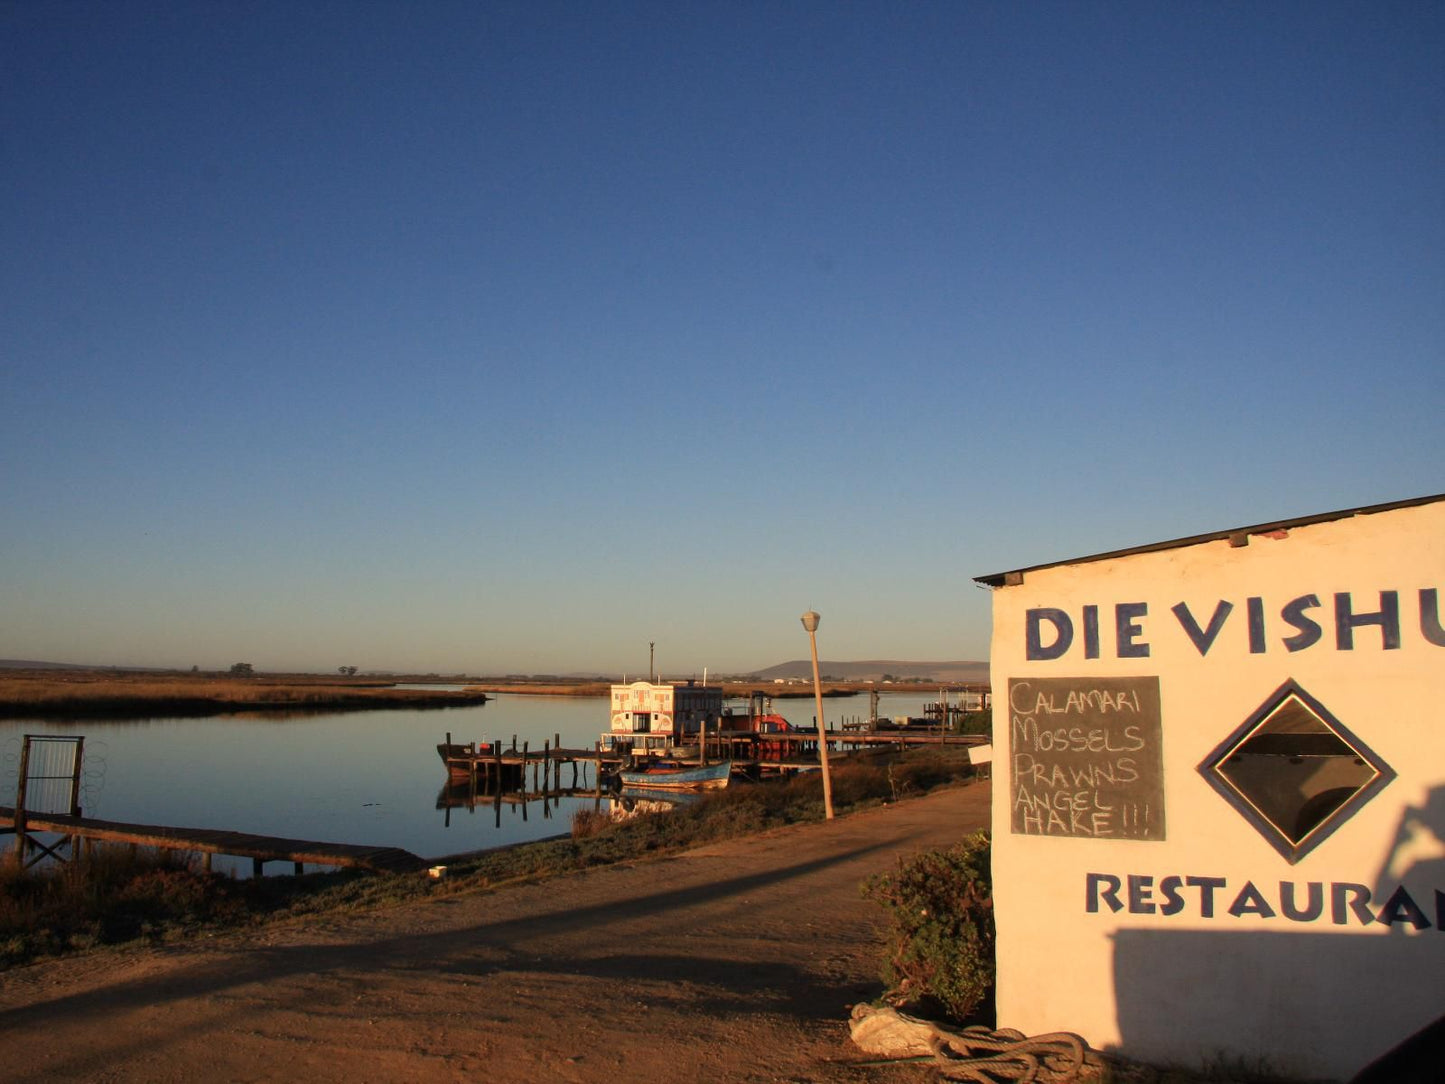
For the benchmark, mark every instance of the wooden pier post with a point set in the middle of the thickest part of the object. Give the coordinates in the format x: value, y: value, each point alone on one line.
x: 75, y: 781
x: 20, y: 837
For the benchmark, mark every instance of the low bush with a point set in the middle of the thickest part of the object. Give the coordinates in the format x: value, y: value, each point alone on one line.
x: 113, y: 896
x: 941, y: 945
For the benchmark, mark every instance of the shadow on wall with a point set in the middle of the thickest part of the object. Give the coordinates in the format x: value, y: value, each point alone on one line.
x: 1417, y: 853
x: 1307, y: 1002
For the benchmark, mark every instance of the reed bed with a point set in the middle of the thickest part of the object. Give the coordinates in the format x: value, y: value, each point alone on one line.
x: 92, y: 695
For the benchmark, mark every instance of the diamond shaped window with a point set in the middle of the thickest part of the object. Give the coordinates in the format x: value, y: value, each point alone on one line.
x: 1294, y: 771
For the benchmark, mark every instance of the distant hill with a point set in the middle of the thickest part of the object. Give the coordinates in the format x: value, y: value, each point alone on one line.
x: 877, y: 670
x: 25, y: 664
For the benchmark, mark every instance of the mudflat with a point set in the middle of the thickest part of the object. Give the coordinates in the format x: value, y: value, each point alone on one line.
x: 736, y: 961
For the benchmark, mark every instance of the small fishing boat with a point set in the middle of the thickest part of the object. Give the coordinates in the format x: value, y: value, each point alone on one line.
x: 460, y: 759
x: 676, y: 775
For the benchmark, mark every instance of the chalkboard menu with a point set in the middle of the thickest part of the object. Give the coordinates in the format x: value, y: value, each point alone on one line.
x: 1086, y: 758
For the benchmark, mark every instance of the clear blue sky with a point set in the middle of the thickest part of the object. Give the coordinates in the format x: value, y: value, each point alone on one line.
x: 510, y: 337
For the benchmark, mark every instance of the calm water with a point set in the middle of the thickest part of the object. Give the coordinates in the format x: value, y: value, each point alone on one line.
x: 369, y: 777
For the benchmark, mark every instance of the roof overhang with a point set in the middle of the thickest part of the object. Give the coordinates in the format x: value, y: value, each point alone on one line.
x: 1238, y: 536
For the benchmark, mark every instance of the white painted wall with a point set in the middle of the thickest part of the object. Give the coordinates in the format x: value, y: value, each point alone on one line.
x: 1313, y: 997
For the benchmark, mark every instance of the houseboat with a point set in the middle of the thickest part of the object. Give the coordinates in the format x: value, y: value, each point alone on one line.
x: 657, y: 719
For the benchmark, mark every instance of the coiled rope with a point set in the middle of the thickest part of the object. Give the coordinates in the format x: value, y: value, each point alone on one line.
x: 977, y: 1054
x: 995, y: 1057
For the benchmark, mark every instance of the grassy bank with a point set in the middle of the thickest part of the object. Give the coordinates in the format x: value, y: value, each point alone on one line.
x: 150, y: 897
x: 91, y: 694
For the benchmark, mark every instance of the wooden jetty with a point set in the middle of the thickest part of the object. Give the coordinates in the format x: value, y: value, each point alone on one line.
x: 483, y: 772
x: 207, y: 842
x: 490, y: 767
x: 748, y: 744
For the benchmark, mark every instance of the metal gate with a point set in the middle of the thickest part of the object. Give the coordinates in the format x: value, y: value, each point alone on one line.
x: 48, y: 786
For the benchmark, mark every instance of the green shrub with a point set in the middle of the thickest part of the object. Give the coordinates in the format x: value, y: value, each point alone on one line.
x: 941, y: 946
x: 974, y: 722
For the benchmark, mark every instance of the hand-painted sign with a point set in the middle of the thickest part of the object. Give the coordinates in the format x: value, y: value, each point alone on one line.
x: 1051, y: 633
x: 1086, y: 757
x: 1207, y: 897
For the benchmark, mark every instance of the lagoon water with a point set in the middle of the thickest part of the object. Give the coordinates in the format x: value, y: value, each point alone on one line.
x: 366, y: 777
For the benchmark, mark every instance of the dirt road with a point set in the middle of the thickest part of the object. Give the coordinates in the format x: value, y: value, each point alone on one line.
x: 733, y: 962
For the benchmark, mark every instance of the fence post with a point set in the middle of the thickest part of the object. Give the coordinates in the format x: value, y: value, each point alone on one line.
x: 20, y: 800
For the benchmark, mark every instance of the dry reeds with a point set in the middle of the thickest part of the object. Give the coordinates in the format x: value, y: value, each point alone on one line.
x: 92, y: 694
x: 588, y: 822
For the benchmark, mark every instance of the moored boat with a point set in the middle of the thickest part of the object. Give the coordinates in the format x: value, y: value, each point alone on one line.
x: 674, y: 775
x: 462, y: 760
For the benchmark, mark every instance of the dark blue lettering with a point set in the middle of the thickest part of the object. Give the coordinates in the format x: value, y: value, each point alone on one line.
x: 1313, y: 908
x: 1206, y: 886
x: 1430, y: 616
x: 1250, y: 902
x: 1141, y: 894
x: 1093, y: 883
x: 1387, y: 617
x: 1401, y: 907
x: 1359, y: 904
x: 1063, y: 627
x: 1173, y: 901
x: 1309, y: 629
x: 1203, y: 639
x: 1255, y: 606
x: 1128, y: 630
x: 1091, y: 632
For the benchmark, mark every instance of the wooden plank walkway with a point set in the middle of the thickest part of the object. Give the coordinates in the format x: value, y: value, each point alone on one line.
x: 209, y: 841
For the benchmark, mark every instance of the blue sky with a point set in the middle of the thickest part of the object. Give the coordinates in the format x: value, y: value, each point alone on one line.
x: 511, y: 337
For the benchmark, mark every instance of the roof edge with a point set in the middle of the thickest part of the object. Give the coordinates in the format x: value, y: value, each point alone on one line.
x: 997, y: 579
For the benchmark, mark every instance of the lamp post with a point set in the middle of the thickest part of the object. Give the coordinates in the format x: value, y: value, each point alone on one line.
x: 810, y: 622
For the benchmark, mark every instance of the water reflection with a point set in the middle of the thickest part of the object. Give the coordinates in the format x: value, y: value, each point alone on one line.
x: 361, y: 777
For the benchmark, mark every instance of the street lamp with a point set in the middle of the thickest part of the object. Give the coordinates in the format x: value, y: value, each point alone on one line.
x: 810, y: 622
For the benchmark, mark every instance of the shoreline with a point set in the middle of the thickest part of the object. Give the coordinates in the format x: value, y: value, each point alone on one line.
x: 101, y: 694
x: 731, y: 689
x: 102, y: 708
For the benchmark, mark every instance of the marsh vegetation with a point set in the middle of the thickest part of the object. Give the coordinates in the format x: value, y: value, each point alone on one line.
x: 119, y: 694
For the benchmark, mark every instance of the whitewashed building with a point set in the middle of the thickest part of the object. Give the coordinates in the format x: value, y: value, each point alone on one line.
x: 1219, y: 805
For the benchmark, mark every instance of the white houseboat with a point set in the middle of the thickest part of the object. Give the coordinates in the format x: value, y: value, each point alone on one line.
x: 653, y: 718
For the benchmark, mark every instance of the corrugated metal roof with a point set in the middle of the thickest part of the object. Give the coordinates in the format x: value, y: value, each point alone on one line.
x: 997, y: 579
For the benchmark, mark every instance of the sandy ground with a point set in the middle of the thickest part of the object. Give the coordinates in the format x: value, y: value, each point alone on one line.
x: 733, y: 962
